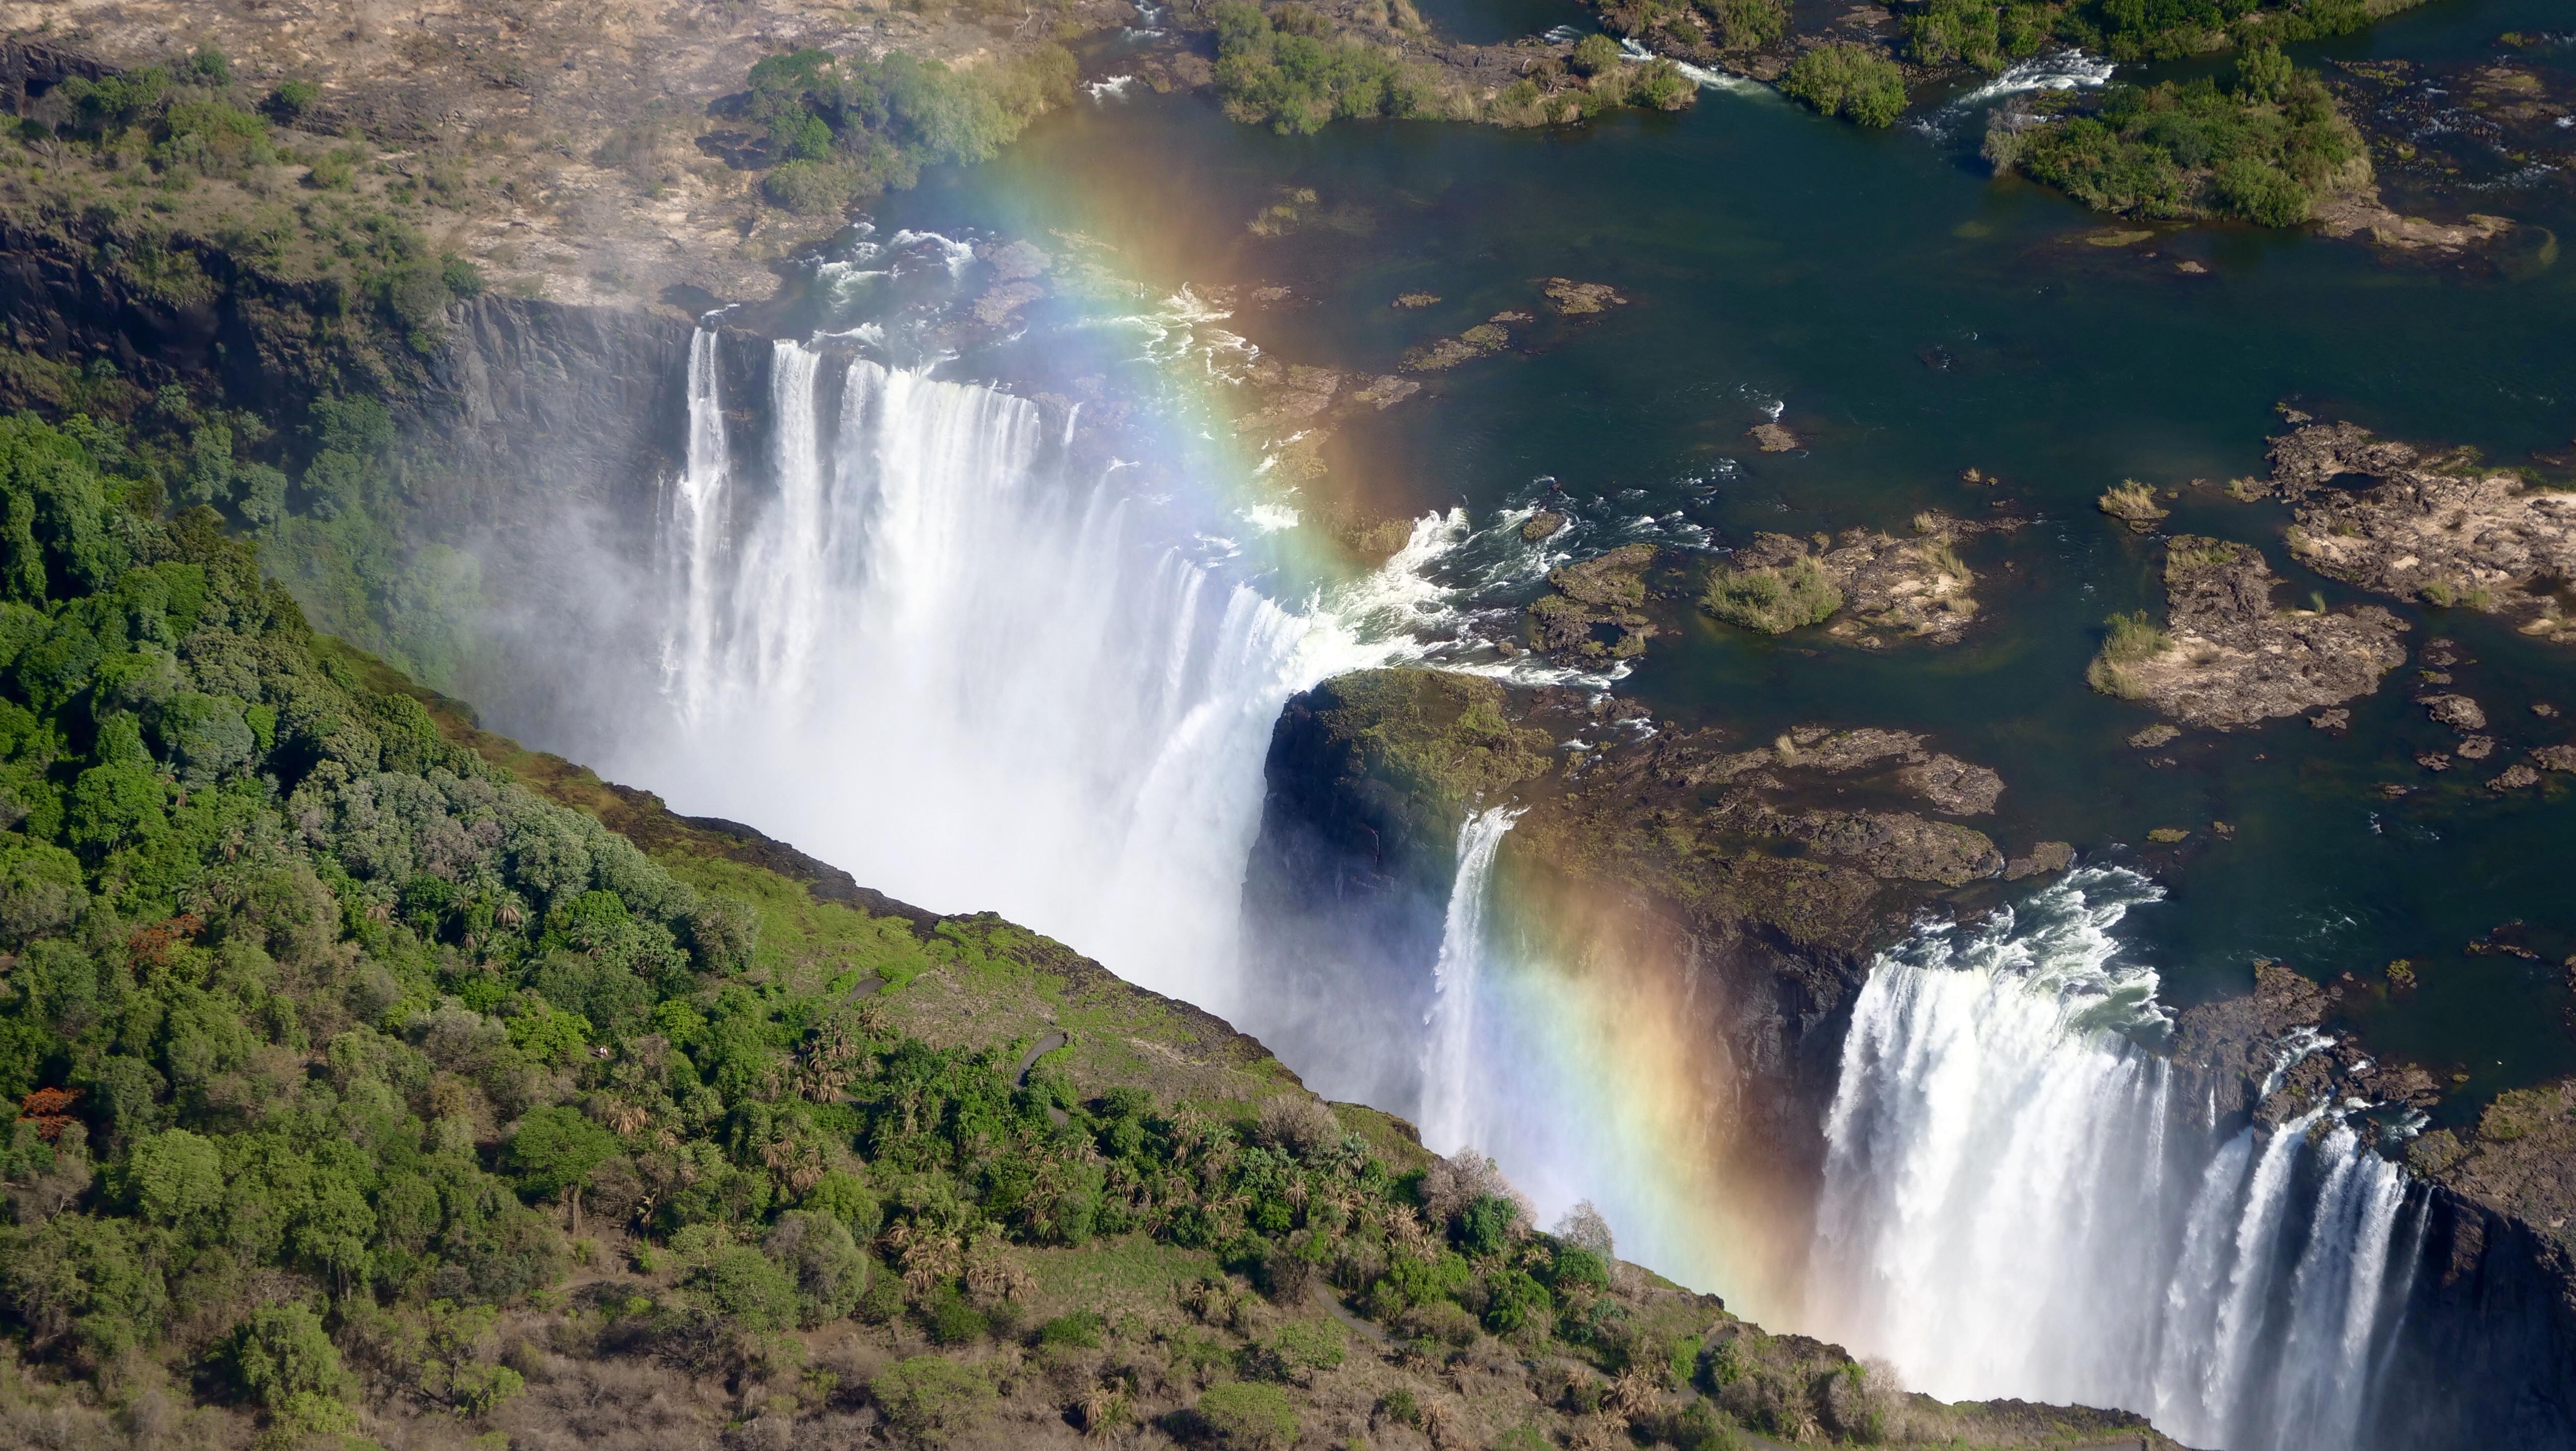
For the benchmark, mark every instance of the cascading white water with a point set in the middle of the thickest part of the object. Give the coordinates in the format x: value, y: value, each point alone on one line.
x: 919, y: 648
x: 1448, y: 1117
x: 697, y: 534
x: 1999, y: 1215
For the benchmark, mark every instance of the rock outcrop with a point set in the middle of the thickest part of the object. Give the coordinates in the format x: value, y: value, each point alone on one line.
x: 1874, y: 584
x: 2228, y: 657
x: 2433, y: 528
x: 1593, y: 612
x: 1748, y: 881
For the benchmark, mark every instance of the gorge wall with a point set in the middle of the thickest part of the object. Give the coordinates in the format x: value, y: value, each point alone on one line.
x: 2020, y: 1171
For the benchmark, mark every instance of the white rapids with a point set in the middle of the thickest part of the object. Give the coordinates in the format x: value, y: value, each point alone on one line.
x: 2013, y: 1207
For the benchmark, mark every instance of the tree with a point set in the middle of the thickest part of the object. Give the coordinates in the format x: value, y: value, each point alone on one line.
x: 288, y: 1366
x: 175, y: 1177
x: 555, y: 1151
x: 1594, y: 54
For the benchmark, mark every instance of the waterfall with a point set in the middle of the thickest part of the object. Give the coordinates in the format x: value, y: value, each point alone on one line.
x: 2006, y: 1211
x: 696, y: 533
x: 1448, y: 1117
x: 911, y: 640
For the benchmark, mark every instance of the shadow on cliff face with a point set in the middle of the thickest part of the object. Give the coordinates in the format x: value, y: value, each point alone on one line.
x: 1600, y: 1038
x: 1343, y: 903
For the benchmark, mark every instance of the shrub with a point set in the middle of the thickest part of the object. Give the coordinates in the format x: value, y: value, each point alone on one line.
x: 1290, y: 73
x: 741, y: 1285
x: 929, y: 1400
x: 1773, y: 600
x: 462, y: 277
x: 1575, y: 1265
x: 331, y: 171
x: 1697, y: 1428
x: 1247, y: 1416
x: 207, y: 66
x: 2264, y: 74
x: 2132, y: 501
x: 1297, y: 1351
x: 1514, y: 1301
x: 1742, y: 24
x: 1594, y: 54
x: 843, y: 128
x: 809, y: 187
x: 1848, y: 80
x: 2263, y: 194
x: 1660, y: 84
x: 1485, y: 1226
x: 2262, y: 151
x: 1082, y: 1329
x: 1297, y: 1124
x: 292, y: 101
x: 2129, y: 639
x: 1400, y: 1406
x: 950, y: 1320
x: 831, y: 1271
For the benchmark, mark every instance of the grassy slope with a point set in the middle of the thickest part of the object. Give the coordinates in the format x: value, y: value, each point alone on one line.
x: 1174, y: 1322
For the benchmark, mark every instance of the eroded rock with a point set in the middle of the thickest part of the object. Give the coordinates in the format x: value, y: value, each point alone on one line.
x: 1571, y: 298
x: 2045, y: 857
x: 2436, y: 529
x: 1915, y: 587
x: 1481, y: 341
x: 1953, y: 785
x: 2228, y: 658
x: 2456, y: 711
x: 1595, y: 610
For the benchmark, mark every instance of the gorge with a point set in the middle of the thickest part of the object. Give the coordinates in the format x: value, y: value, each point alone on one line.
x: 1583, y: 634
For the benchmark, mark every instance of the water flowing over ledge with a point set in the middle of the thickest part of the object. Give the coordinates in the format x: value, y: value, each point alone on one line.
x: 2015, y: 1204
x: 911, y: 640
x: 1448, y: 1117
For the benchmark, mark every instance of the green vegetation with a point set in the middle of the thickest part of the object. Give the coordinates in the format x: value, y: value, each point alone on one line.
x: 1848, y: 80
x: 1284, y: 68
x: 1291, y: 68
x: 1979, y: 32
x: 138, y: 140
x: 931, y: 1401
x: 1723, y: 24
x: 839, y: 129
x: 1773, y: 600
x: 1991, y: 35
x: 2128, y: 639
x: 2263, y: 150
x: 1243, y: 1416
x: 2131, y: 502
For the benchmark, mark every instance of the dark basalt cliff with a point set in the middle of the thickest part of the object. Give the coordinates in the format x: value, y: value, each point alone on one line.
x: 1749, y: 882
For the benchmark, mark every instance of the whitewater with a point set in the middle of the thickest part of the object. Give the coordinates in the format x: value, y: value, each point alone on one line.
x: 2015, y: 1204
x: 909, y: 634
